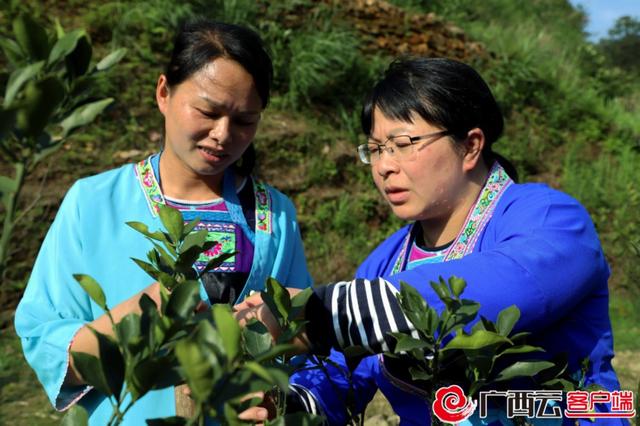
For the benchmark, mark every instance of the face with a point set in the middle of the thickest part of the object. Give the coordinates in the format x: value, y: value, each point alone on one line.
x: 210, y: 118
x: 427, y: 186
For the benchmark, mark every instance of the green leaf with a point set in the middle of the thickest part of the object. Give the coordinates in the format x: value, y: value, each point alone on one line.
x: 559, y: 384
x: 128, y: 332
x: 488, y: 325
x: 217, y: 261
x: 196, y: 367
x: 65, y: 45
x: 440, y: 289
x: 523, y: 369
x: 111, y: 59
x: 277, y: 300
x: 93, y: 289
x: 229, y: 329
x: 78, y: 60
x: 191, y: 225
x: 261, y: 372
x: 153, y: 373
x: 478, y: 339
x: 41, y: 99
x: 144, y: 230
x: 183, y: 300
x: 83, y: 115
x: 278, y: 350
x: 12, y: 51
x: 299, y: 303
x: 457, y: 285
x: 173, y: 222
x: 418, y: 374
x: 76, y: 416
x: 112, y: 363
x: 507, y: 319
x: 31, y: 37
x: 167, y: 281
x: 193, y: 239
x: 167, y: 262
x: 520, y: 349
x: 414, y: 307
x: 406, y: 343
x: 7, y: 185
x: 257, y: 339
x: 18, y: 78
x: 91, y: 371
x: 148, y: 268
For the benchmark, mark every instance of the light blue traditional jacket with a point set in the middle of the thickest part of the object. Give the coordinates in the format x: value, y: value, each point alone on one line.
x: 89, y: 236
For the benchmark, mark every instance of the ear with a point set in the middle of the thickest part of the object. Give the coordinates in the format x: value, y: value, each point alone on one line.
x: 162, y: 94
x: 474, y: 144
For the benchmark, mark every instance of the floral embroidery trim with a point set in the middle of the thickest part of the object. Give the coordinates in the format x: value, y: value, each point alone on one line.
x: 149, y: 184
x: 224, y: 234
x: 263, y: 208
x: 478, y: 217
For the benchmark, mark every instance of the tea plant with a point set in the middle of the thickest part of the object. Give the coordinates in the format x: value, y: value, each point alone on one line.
x: 488, y: 355
x: 47, y: 96
x: 176, y: 342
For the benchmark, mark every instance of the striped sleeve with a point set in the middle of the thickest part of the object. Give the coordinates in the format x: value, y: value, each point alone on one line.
x: 300, y: 399
x: 361, y: 313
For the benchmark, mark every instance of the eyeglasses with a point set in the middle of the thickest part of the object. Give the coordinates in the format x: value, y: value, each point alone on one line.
x: 401, y: 147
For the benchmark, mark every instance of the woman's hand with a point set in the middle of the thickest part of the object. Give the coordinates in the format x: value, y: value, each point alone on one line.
x: 253, y: 307
x: 266, y: 410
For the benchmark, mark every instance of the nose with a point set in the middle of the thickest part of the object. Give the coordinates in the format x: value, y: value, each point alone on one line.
x: 386, y: 163
x: 220, y: 130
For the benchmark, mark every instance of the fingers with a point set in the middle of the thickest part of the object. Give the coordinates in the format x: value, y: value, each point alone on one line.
x: 254, y: 414
x: 202, y: 306
x: 250, y: 302
x: 259, y: 395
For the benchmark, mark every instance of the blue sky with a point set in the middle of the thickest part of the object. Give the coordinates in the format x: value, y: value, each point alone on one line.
x: 603, y: 14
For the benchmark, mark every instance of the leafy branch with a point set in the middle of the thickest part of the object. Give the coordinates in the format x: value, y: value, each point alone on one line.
x: 175, y: 343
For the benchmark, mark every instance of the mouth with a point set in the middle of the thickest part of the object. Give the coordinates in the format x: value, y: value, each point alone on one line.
x: 212, y: 154
x: 396, y: 195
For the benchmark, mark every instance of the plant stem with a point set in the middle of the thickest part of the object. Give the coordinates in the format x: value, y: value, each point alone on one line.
x: 11, y: 208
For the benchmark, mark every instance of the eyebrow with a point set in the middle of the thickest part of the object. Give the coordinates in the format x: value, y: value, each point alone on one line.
x: 219, y: 105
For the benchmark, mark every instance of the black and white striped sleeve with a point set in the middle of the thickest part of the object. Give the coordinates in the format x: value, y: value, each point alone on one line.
x: 355, y: 313
x: 300, y: 399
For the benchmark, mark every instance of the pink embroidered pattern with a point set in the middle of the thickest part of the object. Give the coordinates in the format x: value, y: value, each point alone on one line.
x: 150, y: 186
x: 263, y: 208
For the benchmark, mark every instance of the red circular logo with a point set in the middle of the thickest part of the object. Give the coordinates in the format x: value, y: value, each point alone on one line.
x: 451, y: 405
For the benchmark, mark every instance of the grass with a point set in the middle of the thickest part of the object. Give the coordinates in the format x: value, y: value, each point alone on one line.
x: 625, y: 319
x: 22, y: 400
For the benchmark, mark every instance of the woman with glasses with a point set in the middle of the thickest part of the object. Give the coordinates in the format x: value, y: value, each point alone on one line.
x: 211, y: 95
x: 430, y: 126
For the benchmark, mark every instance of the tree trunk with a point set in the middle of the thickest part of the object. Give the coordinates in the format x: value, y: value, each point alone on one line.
x: 185, y: 405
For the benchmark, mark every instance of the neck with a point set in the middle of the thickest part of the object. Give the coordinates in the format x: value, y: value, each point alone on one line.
x: 439, y: 231
x: 181, y: 182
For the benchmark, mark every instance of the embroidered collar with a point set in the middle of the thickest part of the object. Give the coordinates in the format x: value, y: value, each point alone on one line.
x: 154, y: 197
x: 478, y: 217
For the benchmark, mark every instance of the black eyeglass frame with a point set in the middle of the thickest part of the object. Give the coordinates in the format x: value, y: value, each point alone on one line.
x: 364, y: 152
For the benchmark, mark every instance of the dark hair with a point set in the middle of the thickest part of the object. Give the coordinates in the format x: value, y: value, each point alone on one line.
x: 445, y: 93
x: 200, y: 41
